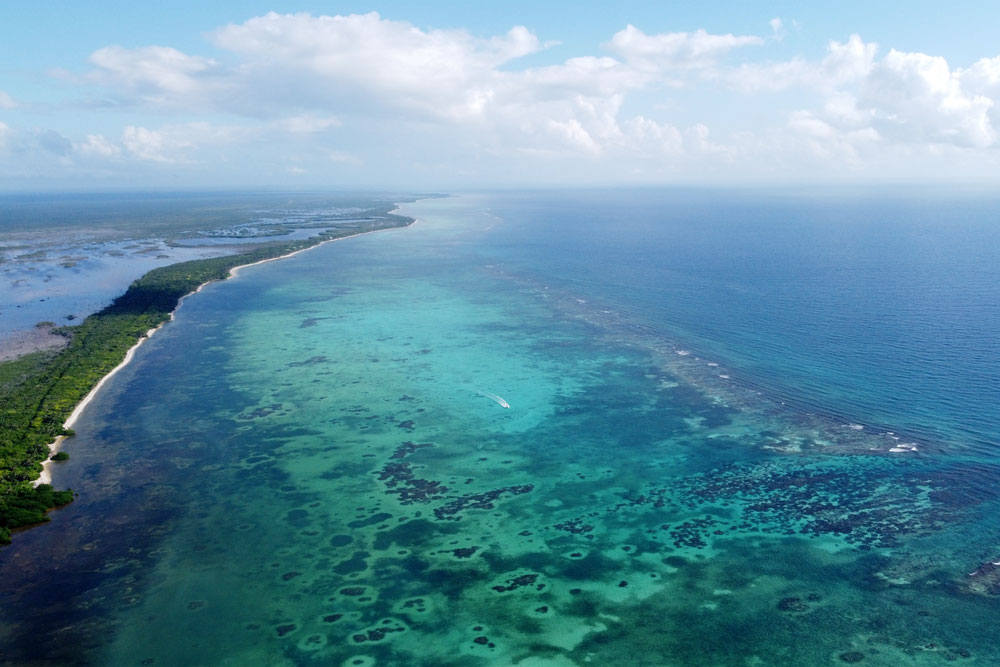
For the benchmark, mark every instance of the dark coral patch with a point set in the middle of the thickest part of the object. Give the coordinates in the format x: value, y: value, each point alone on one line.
x: 575, y: 526
x: 465, y: 552
x: 401, y: 481
x: 340, y: 540
x: 482, y: 501
x: 375, y: 634
x: 516, y: 582
x: 792, y: 604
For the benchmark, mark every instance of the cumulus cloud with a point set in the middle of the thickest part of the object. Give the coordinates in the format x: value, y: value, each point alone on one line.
x: 848, y: 62
x: 675, y: 50
x: 145, y: 144
x: 314, y: 80
x: 6, y: 101
x: 917, y: 97
x: 160, y: 76
x: 349, y: 59
x: 327, y: 68
x: 647, y: 135
x: 827, y: 141
x: 364, y: 64
x: 906, y: 98
x: 177, y: 143
x: 983, y: 75
x: 98, y: 146
x: 844, y: 64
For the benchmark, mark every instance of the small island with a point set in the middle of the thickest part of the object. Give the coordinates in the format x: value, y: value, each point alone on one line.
x: 40, y: 391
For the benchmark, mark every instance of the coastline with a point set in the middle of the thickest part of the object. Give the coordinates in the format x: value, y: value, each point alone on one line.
x: 45, y: 477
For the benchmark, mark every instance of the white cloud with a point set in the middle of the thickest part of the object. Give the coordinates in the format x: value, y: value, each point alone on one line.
x: 908, y: 98
x: 577, y: 76
x: 351, y: 60
x: 183, y: 142
x: 97, y: 145
x: 829, y: 142
x: 573, y: 136
x: 983, y: 75
x: 367, y: 66
x: 844, y: 64
x: 645, y: 135
x: 144, y: 144
x: 6, y: 101
x: 916, y: 97
x: 364, y: 65
x: 697, y: 141
x: 318, y: 84
x: 777, y: 28
x: 675, y: 50
x: 160, y: 76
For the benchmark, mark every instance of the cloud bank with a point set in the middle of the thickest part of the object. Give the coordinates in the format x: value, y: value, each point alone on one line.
x: 339, y: 92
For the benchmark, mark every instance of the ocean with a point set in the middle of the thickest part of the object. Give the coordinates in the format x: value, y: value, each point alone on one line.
x: 627, y: 427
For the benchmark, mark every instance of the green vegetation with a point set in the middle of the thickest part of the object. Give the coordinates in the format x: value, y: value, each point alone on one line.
x: 60, y: 456
x: 39, y: 391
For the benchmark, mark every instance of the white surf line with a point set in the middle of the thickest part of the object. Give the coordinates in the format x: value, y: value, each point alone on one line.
x: 45, y: 477
x: 502, y: 403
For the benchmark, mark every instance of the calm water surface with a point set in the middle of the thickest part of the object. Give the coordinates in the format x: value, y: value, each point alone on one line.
x: 743, y: 430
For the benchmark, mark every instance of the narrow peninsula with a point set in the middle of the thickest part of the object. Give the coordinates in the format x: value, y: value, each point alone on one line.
x: 40, y: 391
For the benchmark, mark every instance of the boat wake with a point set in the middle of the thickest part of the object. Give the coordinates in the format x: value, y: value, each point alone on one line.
x: 499, y: 401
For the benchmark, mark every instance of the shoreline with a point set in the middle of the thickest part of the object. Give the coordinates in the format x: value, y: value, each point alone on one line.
x: 45, y: 477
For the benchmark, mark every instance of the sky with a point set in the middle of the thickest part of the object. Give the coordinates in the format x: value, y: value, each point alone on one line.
x: 111, y: 95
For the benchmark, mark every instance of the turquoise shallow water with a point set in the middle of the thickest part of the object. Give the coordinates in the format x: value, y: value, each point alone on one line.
x: 307, y: 467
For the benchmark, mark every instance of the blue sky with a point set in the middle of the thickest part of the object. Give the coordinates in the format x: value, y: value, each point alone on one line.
x: 115, y: 94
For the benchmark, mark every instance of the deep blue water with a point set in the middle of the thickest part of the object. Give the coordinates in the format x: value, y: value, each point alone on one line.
x: 877, y: 307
